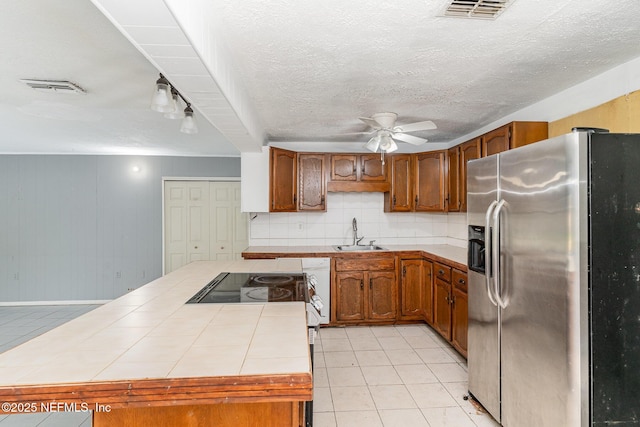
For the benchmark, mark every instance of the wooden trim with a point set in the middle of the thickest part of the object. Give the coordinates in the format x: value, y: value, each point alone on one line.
x: 169, y: 391
x: 358, y: 186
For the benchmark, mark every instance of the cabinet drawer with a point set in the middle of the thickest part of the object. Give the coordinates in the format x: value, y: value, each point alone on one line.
x: 365, y: 264
x: 459, y: 280
x: 443, y: 272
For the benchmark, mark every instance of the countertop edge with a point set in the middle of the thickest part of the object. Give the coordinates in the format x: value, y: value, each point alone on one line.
x: 166, y: 391
x: 329, y: 252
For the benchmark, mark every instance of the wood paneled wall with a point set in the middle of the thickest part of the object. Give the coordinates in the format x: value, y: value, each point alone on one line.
x: 621, y: 115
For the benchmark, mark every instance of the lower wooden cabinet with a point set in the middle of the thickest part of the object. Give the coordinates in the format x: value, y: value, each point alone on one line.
x: 368, y: 290
x: 416, y: 290
x: 450, y: 311
x: 365, y: 290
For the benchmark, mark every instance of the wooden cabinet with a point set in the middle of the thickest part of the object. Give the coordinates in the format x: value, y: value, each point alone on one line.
x: 454, y: 180
x: 411, y: 289
x: 416, y: 290
x: 312, y: 187
x: 357, y: 172
x: 513, y: 135
x: 451, y: 306
x: 430, y: 181
x: 400, y: 198
x: 365, y: 290
x: 283, y: 180
x: 496, y: 141
x: 459, y: 315
x: 469, y: 150
x: 344, y: 167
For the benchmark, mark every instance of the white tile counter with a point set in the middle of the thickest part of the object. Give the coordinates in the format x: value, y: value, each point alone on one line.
x: 150, y: 339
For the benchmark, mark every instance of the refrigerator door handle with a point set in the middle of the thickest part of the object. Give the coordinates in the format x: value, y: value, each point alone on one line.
x: 488, y: 271
x: 495, y: 254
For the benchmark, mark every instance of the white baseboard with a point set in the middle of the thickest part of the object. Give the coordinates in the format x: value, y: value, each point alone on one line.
x: 71, y: 302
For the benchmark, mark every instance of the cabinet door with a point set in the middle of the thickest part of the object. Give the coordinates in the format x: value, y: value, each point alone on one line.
x: 469, y: 150
x: 350, y: 296
x: 460, y: 321
x: 427, y: 292
x: 454, y: 189
x: 283, y: 182
x: 311, y: 182
x: 371, y: 168
x: 411, y: 289
x: 401, y: 199
x: 442, y: 308
x: 344, y: 167
x: 382, y: 295
x: 430, y: 182
x: 496, y: 141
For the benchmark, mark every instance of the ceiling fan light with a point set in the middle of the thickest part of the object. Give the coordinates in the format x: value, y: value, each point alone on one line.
x: 178, y: 112
x: 373, y: 144
x: 189, y: 122
x: 161, y: 100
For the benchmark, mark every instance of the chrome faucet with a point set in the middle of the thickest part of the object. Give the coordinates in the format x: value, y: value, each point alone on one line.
x: 356, y: 239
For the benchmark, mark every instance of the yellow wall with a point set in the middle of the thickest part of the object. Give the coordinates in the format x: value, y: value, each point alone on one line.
x: 621, y: 115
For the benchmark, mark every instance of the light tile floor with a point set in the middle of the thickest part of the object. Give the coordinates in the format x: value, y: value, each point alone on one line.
x: 21, y: 323
x: 381, y: 376
x: 391, y: 376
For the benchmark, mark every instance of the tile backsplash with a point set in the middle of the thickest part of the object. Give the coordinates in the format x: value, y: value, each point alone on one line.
x: 334, y: 226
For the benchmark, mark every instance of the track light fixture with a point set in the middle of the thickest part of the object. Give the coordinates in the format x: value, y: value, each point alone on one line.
x: 166, y: 99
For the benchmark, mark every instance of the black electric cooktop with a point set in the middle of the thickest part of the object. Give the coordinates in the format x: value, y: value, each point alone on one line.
x: 252, y: 288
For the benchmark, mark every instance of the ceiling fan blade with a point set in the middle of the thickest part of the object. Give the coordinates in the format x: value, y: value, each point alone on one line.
x: 356, y: 133
x: 414, y: 127
x: 370, y: 122
x: 408, y: 138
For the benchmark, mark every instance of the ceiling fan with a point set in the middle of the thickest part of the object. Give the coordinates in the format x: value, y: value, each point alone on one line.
x: 386, y: 132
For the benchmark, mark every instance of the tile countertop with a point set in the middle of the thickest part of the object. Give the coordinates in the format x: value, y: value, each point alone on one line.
x: 150, y: 335
x: 451, y: 253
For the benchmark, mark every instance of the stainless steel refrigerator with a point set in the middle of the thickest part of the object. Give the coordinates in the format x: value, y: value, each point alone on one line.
x: 554, y: 282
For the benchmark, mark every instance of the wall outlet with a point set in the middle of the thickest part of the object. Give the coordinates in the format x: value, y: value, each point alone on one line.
x: 118, y: 275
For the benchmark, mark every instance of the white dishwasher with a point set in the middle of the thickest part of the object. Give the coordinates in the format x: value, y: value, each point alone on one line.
x: 320, y: 268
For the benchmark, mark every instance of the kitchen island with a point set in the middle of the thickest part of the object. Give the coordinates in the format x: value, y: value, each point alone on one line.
x: 146, y: 358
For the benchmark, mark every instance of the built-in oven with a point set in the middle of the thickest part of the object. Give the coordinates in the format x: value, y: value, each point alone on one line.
x: 230, y: 288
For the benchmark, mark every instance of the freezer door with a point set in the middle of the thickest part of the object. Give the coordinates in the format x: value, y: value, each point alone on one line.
x: 483, y: 334
x: 539, y: 283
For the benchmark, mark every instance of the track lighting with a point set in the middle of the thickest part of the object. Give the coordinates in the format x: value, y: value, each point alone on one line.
x: 166, y: 99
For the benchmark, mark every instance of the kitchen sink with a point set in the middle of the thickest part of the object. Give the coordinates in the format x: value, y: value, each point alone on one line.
x: 352, y: 248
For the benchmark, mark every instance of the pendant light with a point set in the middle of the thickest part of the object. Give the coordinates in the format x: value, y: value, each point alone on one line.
x: 178, y: 113
x: 162, y: 101
x: 188, y: 123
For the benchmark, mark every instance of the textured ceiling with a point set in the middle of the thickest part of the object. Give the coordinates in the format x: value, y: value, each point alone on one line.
x: 312, y: 68
x: 305, y: 70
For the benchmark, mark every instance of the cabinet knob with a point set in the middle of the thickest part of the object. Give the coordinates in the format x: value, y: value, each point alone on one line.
x: 361, y: 284
x: 461, y: 281
x: 370, y: 283
x: 195, y: 247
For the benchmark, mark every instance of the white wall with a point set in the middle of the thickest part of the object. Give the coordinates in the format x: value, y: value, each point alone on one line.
x: 334, y: 226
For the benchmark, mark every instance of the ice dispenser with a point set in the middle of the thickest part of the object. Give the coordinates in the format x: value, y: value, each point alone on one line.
x: 476, y: 248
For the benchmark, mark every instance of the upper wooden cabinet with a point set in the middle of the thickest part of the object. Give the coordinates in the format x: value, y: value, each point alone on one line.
x: 357, y: 172
x: 312, y: 189
x: 430, y: 181
x: 454, y: 180
x: 418, y: 182
x: 344, y: 167
x: 283, y: 181
x: 469, y: 150
x: 400, y: 198
x: 513, y: 135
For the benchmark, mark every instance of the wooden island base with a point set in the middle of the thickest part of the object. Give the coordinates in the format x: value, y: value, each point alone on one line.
x: 262, y: 414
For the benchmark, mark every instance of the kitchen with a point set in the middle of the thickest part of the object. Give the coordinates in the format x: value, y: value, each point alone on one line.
x: 125, y: 213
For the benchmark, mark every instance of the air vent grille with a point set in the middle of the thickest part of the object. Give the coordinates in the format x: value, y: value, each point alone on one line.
x: 480, y: 9
x: 60, y: 86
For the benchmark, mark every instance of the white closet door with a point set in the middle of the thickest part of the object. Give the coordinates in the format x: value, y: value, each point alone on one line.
x: 186, y: 207
x: 203, y: 222
x: 228, y: 224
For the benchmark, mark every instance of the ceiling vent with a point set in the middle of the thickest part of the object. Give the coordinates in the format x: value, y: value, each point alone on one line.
x: 59, y: 86
x: 479, y: 9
